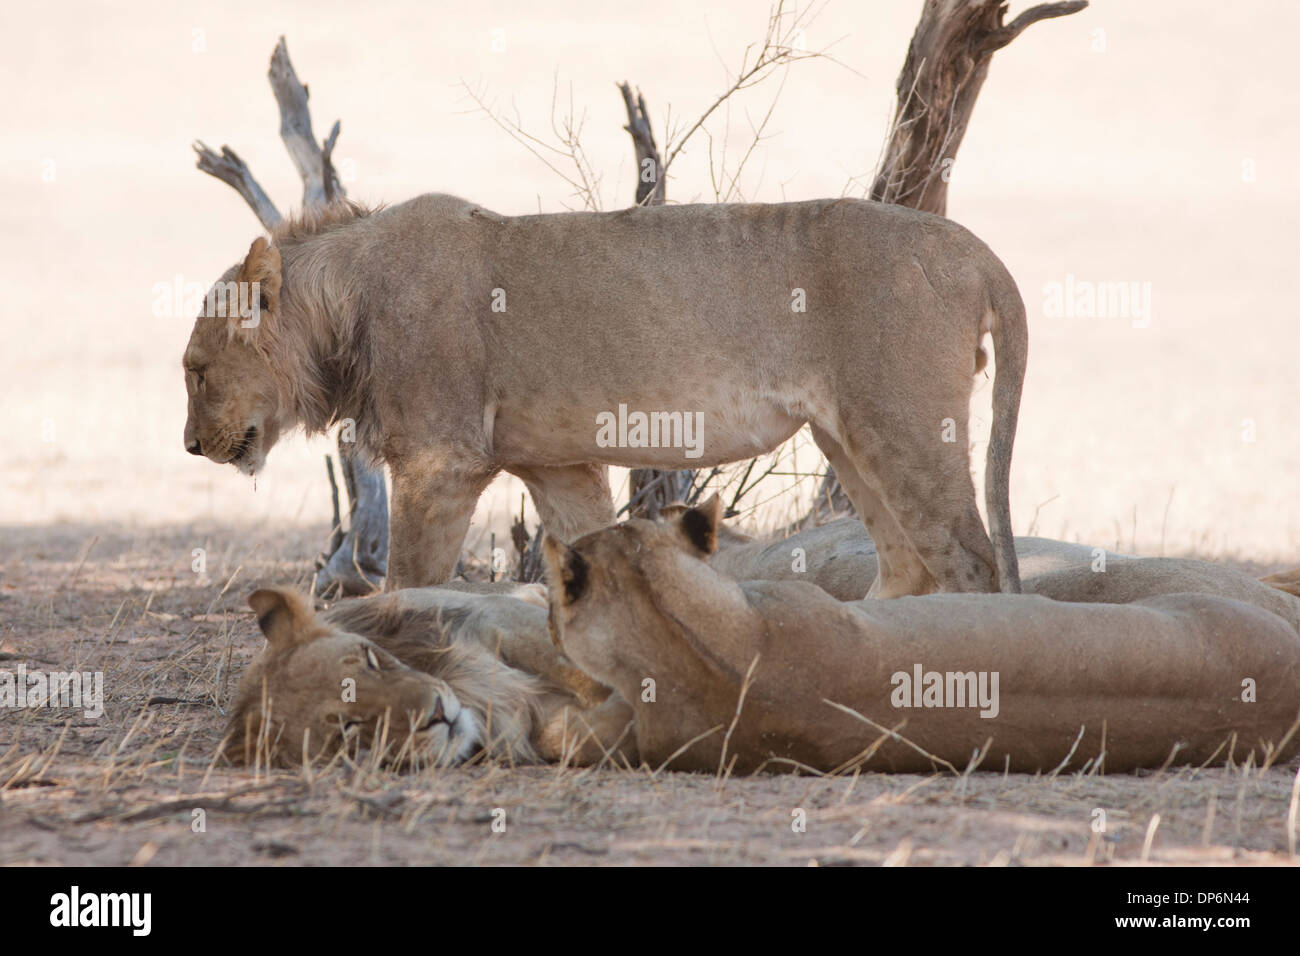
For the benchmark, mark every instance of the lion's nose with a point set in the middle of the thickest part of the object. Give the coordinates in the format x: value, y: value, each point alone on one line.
x: 438, y: 713
x: 194, y: 448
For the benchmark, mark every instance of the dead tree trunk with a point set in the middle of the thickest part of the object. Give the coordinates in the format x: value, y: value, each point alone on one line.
x: 357, y: 560
x: 946, y: 65
x: 648, y: 488
x: 945, y: 68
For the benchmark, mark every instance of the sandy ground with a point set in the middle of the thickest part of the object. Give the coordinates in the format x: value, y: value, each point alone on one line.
x: 1134, y: 143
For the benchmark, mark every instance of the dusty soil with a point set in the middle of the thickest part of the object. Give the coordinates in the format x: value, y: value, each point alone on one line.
x: 126, y: 787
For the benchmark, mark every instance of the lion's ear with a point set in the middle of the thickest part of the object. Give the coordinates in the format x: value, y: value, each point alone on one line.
x: 262, y: 272
x: 284, y: 617
x: 699, y: 526
x: 566, y: 567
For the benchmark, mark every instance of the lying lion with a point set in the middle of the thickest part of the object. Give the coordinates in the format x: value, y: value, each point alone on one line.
x: 424, y: 676
x: 761, y: 674
x: 1145, y: 681
x: 840, y: 558
x: 458, y: 343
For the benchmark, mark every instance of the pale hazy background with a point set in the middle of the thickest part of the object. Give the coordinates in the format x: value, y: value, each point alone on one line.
x: 1151, y: 142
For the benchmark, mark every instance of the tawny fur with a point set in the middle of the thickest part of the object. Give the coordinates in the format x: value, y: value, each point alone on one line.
x: 389, y: 319
x: 749, y: 673
x: 841, y: 559
x: 505, y: 702
x: 490, y: 653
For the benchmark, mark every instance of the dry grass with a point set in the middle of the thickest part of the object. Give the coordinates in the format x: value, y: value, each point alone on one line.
x: 171, y: 643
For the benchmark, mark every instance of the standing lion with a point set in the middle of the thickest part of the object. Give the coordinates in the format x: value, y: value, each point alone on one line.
x: 463, y: 343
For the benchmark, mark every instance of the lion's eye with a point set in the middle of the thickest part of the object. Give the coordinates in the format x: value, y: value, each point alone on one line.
x: 372, y: 660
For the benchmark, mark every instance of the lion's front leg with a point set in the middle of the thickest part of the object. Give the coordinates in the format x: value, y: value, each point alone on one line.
x: 433, y: 502
x: 571, y: 500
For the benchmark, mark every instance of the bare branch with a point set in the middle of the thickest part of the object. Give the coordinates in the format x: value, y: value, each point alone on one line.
x: 319, y: 181
x: 649, y: 192
x: 734, y: 188
x: 1044, y: 11
x: 234, y: 172
x: 586, y: 187
x: 333, y: 191
x: 777, y: 51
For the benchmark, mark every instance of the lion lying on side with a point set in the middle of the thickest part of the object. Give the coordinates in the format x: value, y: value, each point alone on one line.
x: 1027, y: 682
x: 840, y: 558
x: 427, y: 676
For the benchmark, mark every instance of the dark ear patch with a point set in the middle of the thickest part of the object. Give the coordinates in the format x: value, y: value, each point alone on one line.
x: 565, y: 567
x: 699, y: 531
x: 576, y: 576
x: 700, y: 525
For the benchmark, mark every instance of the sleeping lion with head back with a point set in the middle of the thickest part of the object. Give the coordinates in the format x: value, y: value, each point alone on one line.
x: 425, y: 677
x: 463, y: 343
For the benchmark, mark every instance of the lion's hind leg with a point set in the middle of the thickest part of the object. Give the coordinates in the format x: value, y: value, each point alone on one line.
x: 923, y: 478
x: 900, y: 570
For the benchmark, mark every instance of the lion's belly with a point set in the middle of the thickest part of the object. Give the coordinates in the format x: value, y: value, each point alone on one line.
x: 664, y: 437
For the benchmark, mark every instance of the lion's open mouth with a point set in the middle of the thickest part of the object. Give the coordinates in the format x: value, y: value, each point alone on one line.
x: 242, y: 446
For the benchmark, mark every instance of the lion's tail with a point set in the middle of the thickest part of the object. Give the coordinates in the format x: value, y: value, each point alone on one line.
x: 1010, y: 332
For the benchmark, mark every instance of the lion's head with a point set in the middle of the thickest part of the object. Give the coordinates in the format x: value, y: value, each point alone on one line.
x: 320, y: 686
x: 277, y: 344
x: 236, y: 405
x: 619, y: 579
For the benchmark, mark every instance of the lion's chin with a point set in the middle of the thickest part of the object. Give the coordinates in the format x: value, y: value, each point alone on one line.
x: 250, y: 463
x: 250, y: 455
